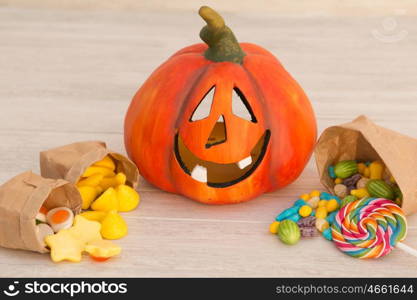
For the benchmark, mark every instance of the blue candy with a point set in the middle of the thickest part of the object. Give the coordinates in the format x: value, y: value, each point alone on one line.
x: 299, y: 203
x: 313, y: 213
x: 332, y: 174
x: 330, y: 218
x: 327, y: 233
x: 295, y: 217
x: 326, y: 196
x: 287, y: 213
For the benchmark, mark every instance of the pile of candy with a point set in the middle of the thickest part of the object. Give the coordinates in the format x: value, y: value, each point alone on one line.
x: 311, y: 213
x: 363, y: 218
x: 106, y: 193
x: 370, y: 179
x: 68, y: 237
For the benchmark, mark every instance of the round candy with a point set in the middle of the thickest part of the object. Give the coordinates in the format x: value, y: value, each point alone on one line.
x: 369, y: 228
x: 60, y: 218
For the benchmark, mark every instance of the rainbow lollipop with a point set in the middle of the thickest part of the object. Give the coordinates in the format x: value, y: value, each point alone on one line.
x: 370, y: 228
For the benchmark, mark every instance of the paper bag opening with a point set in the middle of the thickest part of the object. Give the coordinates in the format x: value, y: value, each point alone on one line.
x: 20, y: 200
x: 363, y: 140
x: 70, y: 161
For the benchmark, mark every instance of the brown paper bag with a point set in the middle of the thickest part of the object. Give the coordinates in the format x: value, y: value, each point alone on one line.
x: 70, y: 161
x: 363, y: 140
x: 20, y: 201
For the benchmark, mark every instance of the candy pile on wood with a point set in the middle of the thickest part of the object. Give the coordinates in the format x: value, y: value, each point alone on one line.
x: 310, y: 214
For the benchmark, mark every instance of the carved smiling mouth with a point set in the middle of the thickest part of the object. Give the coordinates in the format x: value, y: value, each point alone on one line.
x: 220, y: 175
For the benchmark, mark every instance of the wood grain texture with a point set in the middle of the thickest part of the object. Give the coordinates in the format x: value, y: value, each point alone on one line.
x: 69, y: 75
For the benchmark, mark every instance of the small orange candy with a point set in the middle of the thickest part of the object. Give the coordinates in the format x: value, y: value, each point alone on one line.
x: 43, y: 210
x: 60, y: 216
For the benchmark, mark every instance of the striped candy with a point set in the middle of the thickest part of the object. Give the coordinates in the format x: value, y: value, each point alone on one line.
x: 369, y: 228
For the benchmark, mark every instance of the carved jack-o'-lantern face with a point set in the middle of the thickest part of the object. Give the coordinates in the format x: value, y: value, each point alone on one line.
x: 221, y: 123
x: 226, y: 142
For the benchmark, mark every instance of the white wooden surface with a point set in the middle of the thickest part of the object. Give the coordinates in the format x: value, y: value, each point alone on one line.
x: 69, y: 75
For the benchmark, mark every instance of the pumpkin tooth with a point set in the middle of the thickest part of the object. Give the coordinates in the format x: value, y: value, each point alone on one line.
x: 199, y: 173
x: 245, y: 162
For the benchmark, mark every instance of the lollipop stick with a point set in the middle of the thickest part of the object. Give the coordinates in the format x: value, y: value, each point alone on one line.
x: 407, y: 249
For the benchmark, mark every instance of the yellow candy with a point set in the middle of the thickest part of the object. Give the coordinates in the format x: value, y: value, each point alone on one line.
x: 64, y: 246
x: 376, y: 169
x: 113, y: 226
x: 88, y: 194
x: 338, y: 180
x: 85, y: 230
x: 93, y: 180
x: 305, y: 210
x: 68, y: 244
x: 322, y: 203
x: 128, y: 198
x: 392, y: 179
x: 273, y: 228
x: 361, y: 168
x: 315, y: 193
x: 321, y: 224
x: 106, y: 162
x: 94, y: 215
x: 107, y: 201
x: 360, y: 193
x: 332, y: 205
x: 321, y: 212
x: 367, y: 172
x: 305, y: 197
x: 102, y: 249
x: 99, y: 190
x: 119, y: 179
x: 314, y: 201
x: 93, y: 170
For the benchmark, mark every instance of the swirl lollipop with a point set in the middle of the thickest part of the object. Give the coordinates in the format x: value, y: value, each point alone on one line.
x: 370, y: 228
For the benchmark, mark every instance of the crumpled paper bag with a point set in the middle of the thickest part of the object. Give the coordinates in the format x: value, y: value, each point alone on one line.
x: 363, y: 140
x: 70, y: 161
x: 20, y: 200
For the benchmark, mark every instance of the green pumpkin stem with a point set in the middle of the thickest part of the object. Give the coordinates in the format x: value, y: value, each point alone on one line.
x: 222, y: 43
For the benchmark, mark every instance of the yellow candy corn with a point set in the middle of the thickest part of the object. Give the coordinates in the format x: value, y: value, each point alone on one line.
x: 106, y: 162
x: 119, y: 179
x: 88, y: 194
x: 93, y: 180
x: 98, y: 170
x: 107, y: 201
x: 128, y: 198
x: 113, y: 226
x: 94, y: 215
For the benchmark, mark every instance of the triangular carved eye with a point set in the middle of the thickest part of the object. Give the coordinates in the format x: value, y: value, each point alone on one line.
x: 202, y: 110
x: 241, y: 107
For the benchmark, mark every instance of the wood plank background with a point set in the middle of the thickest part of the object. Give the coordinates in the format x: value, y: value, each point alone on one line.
x: 68, y: 73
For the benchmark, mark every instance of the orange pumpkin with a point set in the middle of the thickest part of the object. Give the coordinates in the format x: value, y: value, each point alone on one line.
x: 220, y: 122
